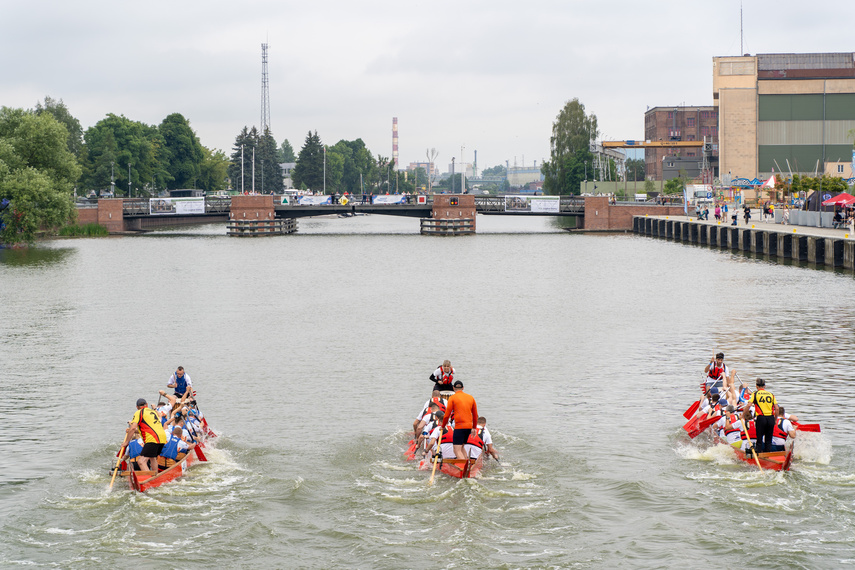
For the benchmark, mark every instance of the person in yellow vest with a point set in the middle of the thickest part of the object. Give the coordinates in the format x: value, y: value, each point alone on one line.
x: 153, y: 434
x: 766, y: 410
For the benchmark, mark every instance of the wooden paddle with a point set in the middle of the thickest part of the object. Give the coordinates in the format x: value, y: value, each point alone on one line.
x: 436, y: 456
x: 116, y: 468
x: 754, y: 453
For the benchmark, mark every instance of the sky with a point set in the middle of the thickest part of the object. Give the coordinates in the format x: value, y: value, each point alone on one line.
x: 461, y: 76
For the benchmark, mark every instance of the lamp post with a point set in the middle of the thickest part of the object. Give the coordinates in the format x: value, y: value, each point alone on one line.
x: 325, y: 169
x: 129, y: 180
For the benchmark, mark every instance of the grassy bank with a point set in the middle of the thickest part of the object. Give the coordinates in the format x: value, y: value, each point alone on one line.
x: 86, y: 230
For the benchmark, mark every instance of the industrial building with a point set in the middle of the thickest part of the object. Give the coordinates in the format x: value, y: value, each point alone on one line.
x: 679, y: 124
x: 790, y: 113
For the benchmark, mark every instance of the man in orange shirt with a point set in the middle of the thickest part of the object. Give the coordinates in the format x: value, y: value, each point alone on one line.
x: 462, y: 406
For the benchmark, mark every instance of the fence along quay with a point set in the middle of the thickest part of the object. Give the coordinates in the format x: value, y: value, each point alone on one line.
x: 803, y: 244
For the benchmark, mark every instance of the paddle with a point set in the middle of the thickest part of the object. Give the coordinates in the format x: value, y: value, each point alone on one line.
x: 199, y: 453
x: 690, y: 411
x: 808, y: 427
x: 703, y: 426
x: 116, y: 468
x: 754, y: 453
x: 436, y: 456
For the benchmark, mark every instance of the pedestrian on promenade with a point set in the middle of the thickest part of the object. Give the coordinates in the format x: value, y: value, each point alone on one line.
x: 747, y: 213
x: 785, y: 217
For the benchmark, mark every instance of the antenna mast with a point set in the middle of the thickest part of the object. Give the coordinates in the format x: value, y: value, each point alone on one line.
x: 741, y: 52
x: 265, y: 91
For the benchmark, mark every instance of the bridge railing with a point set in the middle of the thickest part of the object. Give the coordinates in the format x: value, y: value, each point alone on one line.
x: 567, y: 204
x: 140, y: 206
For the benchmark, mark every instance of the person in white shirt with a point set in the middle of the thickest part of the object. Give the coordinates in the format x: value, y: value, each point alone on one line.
x: 487, y: 438
x: 784, y: 428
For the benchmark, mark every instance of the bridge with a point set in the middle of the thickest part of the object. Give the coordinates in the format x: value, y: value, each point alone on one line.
x: 455, y: 212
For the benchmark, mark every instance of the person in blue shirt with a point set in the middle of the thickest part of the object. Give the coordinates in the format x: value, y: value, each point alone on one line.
x: 181, y: 382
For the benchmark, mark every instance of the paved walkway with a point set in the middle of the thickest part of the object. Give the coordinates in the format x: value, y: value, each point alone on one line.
x: 768, y: 226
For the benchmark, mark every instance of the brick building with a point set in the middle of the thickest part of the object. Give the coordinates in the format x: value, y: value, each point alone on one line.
x: 679, y: 124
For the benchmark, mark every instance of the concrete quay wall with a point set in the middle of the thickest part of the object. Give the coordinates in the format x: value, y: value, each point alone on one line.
x: 794, y: 244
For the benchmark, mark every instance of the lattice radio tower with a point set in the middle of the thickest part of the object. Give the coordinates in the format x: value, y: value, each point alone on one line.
x: 265, y: 91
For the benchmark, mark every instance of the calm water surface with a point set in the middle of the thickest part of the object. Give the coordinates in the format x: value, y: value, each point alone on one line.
x: 311, y: 353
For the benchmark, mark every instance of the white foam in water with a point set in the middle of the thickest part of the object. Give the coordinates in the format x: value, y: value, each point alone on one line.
x: 813, y: 448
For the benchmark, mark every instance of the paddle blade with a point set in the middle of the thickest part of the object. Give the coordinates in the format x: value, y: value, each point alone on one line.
x: 809, y: 427
x: 691, y: 410
x: 692, y: 424
x: 702, y: 426
x: 199, y: 453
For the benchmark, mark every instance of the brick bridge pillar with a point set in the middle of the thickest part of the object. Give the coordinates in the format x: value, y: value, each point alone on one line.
x: 453, y: 214
x: 252, y: 208
x: 108, y: 213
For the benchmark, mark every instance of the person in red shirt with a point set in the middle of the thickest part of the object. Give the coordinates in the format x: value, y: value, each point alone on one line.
x: 465, y: 413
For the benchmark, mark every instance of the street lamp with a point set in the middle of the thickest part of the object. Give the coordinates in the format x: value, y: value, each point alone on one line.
x: 129, y: 180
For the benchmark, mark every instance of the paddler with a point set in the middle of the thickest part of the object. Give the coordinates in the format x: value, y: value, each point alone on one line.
x: 783, y: 429
x: 465, y: 413
x: 154, y: 437
x: 766, y: 410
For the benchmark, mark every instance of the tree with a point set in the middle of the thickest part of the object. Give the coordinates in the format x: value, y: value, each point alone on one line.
x: 214, y: 170
x: 37, y: 173
x: 286, y: 152
x: 674, y: 186
x: 635, y: 169
x: 72, y: 125
x: 309, y: 171
x: 570, y: 155
x: 498, y: 170
x: 137, y: 145
x: 267, y: 164
x: 182, y: 152
x: 240, y: 166
x: 358, y: 168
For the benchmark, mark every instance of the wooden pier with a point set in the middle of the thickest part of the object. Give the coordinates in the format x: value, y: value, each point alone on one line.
x: 260, y: 228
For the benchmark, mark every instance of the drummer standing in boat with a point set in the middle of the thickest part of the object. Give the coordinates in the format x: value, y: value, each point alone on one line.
x: 180, y: 381
x: 443, y: 377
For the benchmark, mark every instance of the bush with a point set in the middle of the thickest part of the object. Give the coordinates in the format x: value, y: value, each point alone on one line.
x: 87, y: 230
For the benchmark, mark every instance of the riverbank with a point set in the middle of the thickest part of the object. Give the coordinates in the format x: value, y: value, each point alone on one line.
x: 821, y: 247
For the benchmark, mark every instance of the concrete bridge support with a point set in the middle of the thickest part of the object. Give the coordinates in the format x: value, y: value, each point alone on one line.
x: 834, y: 252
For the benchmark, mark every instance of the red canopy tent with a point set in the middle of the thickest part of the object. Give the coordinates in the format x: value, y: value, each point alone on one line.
x: 842, y: 199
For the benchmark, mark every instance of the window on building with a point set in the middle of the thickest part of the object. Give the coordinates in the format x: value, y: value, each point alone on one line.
x: 705, y: 131
x: 714, y: 131
x: 839, y: 168
x: 690, y: 154
x: 690, y: 121
x: 670, y: 114
x: 690, y: 137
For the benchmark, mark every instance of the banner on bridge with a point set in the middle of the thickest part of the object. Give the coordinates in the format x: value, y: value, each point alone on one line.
x: 533, y: 204
x: 389, y: 199
x: 315, y: 200
x: 176, y: 206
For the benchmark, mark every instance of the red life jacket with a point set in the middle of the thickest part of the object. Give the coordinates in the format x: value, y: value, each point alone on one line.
x: 715, y: 372
x: 445, y: 378
x: 734, y: 425
x: 475, y: 439
x: 447, y: 436
x: 779, y: 431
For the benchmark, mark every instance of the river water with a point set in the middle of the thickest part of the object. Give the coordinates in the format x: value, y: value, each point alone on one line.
x: 310, y: 354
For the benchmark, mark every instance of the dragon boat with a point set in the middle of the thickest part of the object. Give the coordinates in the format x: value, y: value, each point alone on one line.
x: 141, y: 481
x: 773, y: 460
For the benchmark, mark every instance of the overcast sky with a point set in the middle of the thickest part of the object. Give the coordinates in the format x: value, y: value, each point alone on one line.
x: 487, y: 75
